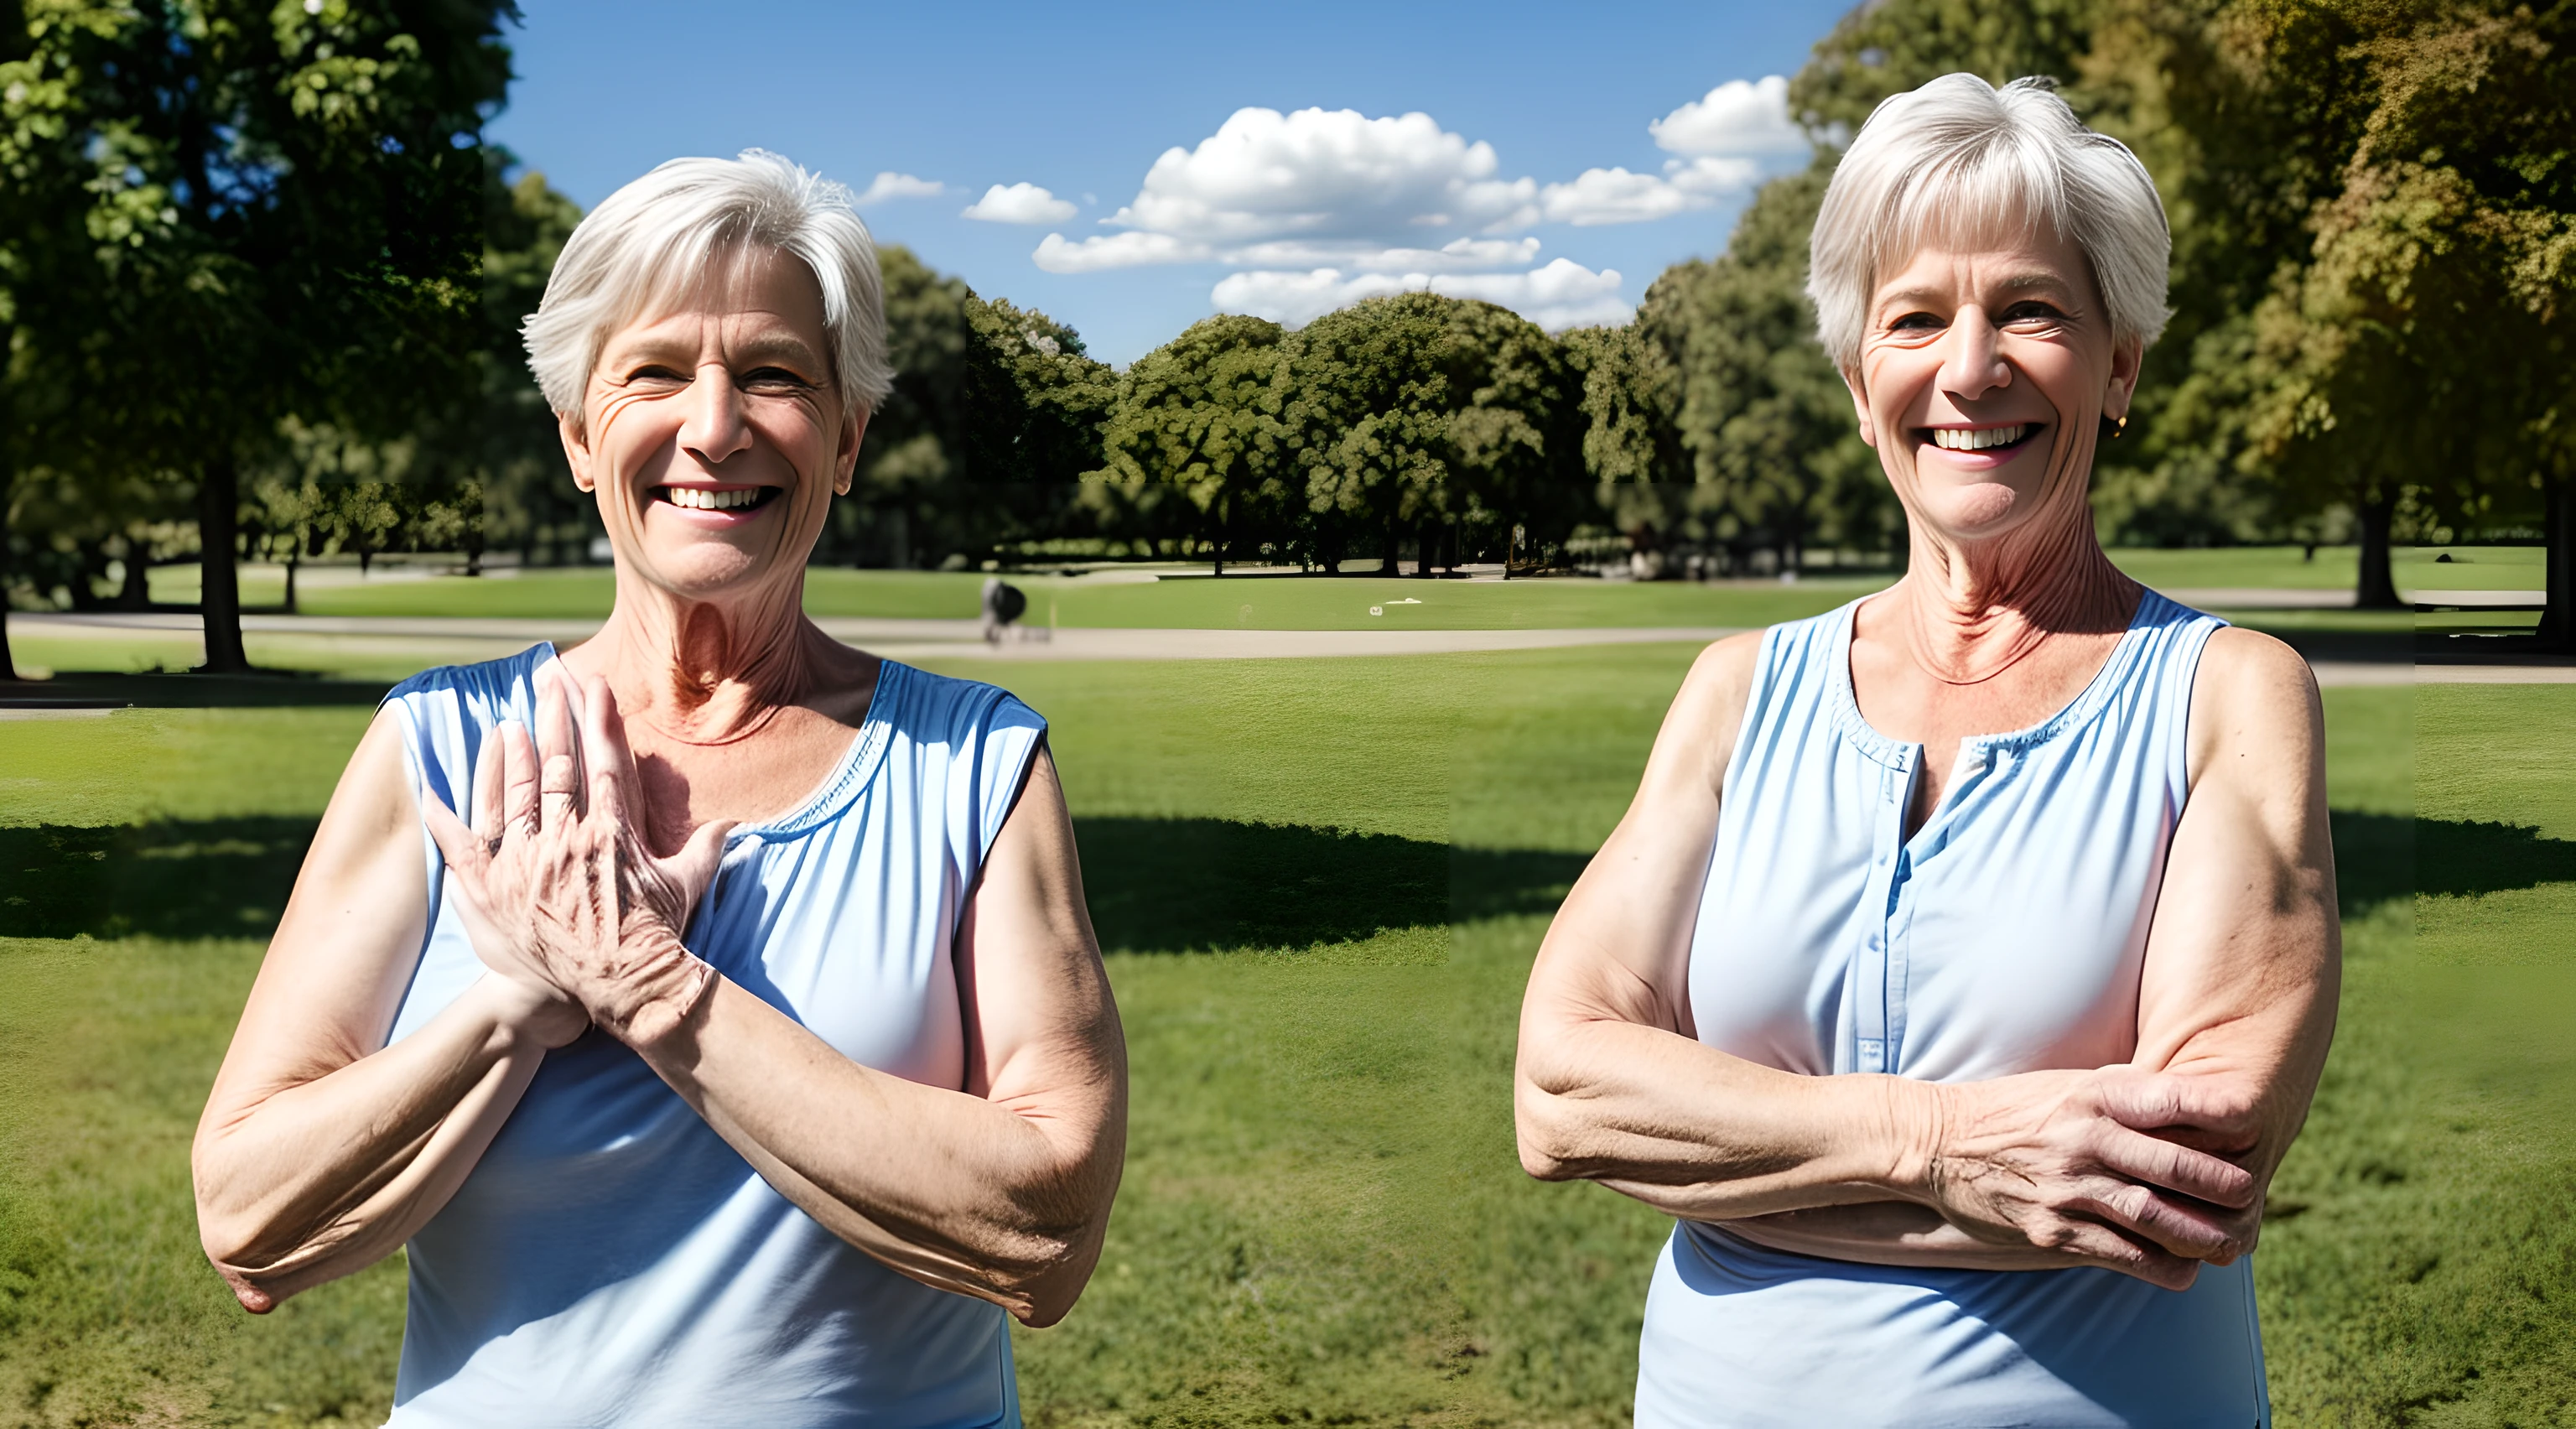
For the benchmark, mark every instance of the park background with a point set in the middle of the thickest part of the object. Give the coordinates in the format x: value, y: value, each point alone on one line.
x: 1360, y: 599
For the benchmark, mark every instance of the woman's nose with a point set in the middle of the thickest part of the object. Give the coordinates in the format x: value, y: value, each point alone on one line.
x: 1972, y: 362
x: 715, y: 428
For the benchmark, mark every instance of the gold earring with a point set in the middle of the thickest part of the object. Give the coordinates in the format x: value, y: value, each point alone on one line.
x: 2119, y: 425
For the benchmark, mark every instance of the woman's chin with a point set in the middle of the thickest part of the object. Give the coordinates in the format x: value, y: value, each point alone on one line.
x: 1977, y: 509
x: 702, y: 570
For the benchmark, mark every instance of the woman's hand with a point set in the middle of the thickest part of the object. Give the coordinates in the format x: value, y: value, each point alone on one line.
x: 2095, y: 1166
x: 560, y: 895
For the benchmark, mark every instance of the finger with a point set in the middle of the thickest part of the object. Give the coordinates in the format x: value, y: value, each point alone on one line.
x: 2137, y: 1156
x: 557, y: 790
x: 519, y: 757
x: 2194, y: 1234
x: 460, y: 846
x: 487, y: 792
x: 2150, y: 1263
x: 2152, y: 1101
x: 694, y: 867
x: 604, y: 751
x: 554, y: 730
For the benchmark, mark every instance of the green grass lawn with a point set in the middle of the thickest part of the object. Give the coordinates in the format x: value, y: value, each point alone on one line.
x: 1320, y: 882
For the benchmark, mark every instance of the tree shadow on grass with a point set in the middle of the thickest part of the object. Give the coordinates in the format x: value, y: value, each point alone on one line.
x: 1196, y: 885
x: 196, y: 878
x: 2465, y: 859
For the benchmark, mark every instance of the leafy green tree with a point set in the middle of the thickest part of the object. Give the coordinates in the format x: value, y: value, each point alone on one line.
x: 1370, y: 417
x: 1764, y: 419
x: 1202, y: 415
x: 529, y: 500
x: 276, y: 212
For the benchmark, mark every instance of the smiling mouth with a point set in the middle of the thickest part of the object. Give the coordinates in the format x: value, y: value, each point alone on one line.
x: 692, y: 498
x: 1960, y: 439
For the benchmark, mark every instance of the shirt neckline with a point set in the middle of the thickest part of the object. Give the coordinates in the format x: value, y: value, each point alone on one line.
x: 1904, y: 754
x: 849, y: 774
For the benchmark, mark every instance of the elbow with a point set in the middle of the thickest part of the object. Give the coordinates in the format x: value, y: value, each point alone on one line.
x: 1040, y: 1281
x: 1547, y: 1136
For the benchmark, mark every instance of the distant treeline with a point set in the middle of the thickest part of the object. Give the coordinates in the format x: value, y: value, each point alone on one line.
x: 243, y: 318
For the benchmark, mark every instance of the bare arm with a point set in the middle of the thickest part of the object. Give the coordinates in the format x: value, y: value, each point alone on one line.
x: 2238, y: 994
x: 1000, y: 1190
x: 1613, y: 1087
x: 322, y: 1149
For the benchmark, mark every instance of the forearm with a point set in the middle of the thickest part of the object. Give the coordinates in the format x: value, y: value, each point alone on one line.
x: 1003, y: 1201
x: 320, y: 1178
x: 1699, y: 1134
x: 1892, y: 1233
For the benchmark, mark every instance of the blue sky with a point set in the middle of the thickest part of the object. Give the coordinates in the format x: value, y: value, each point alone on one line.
x: 1563, y: 143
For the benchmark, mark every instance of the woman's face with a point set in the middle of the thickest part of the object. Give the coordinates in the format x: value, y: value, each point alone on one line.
x: 712, y: 431
x: 1984, y: 374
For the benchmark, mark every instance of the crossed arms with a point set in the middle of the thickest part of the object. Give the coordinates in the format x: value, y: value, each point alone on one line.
x: 2151, y: 1168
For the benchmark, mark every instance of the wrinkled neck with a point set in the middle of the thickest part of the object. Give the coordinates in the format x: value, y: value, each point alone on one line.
x: 709, y: 671
x: 1972, y: 609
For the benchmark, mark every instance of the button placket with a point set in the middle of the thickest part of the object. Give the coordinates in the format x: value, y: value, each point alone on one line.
x: 1870, y: 987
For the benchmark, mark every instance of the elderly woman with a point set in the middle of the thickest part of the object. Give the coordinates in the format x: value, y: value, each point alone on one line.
x: 736, y: 1050
x: 1967, y: 959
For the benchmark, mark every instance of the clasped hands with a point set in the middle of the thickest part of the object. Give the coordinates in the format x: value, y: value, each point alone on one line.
x: 564, y: 901
x: 2152, y: 1174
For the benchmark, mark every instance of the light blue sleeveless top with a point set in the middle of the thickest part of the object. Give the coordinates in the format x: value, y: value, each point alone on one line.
x: 611, y: 1260
x: 2006, y: 935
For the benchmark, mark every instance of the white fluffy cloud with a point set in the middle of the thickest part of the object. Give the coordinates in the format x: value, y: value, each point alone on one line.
x: 890, y: 184
x: 1326, y: 174
x: 1019, y: 203
x: 1599, y: 196
x: 1561, y: 295
x: 1058, y: 254
x: 1322, y: 208
x: 1740, y: 117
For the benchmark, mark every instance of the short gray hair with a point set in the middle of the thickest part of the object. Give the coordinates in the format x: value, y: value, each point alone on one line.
x: 1959, y: 157
x: 655, y: 236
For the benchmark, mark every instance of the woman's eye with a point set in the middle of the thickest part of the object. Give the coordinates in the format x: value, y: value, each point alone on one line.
x: 654, y: 374
x: 774, y: 379
x: 1915, y: 322
x: 2033, y: 312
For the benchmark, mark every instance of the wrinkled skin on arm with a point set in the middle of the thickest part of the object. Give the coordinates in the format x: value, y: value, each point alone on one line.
x: 2150, y: 1168
x: 1001, y: 1190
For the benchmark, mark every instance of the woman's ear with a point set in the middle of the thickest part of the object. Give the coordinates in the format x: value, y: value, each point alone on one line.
x: 576, y: 445
x: 845, y: 460
x: 1860, y: 409
x: 2126, y: 357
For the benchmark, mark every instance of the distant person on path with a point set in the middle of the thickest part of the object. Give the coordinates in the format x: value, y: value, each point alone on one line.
x: 737, y: 1050
x: 1003, y: 604
x: 1968, y: 958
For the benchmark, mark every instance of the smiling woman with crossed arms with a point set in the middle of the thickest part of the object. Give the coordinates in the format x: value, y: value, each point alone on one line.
x: 1967, y: 959
x: 749, y: 1054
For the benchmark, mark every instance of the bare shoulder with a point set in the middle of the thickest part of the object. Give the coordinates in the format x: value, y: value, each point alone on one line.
x: 2254, y: 703
x: 1699, y: 730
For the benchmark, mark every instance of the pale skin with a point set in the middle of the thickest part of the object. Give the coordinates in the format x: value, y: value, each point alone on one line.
x: 707, y: 700
x: 2008, y: 609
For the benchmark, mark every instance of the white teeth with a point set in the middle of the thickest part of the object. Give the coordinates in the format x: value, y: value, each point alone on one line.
x: 699, y: 500
x: 1957, y: 440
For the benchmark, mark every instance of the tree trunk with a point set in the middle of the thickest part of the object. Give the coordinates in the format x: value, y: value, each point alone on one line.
x: 2558, y: 621
x: 1220, y: 536
x: 1388, y: 560
x: 1426, y: 543
x: 2377, y: 589
x: 135, y: 592
x: 8, y: 479
x: 219, y: 580
x: 294, y: 559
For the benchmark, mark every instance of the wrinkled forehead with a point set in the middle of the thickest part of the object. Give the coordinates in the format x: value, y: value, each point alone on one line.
x: 1984, y: 204
x: 725, y: 275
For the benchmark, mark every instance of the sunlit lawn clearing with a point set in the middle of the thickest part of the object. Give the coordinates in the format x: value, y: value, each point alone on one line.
x: 1274, y: 601
x: 1322, y: 1215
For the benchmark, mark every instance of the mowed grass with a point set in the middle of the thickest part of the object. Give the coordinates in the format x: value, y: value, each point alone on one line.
x: 1321, y: 883
x: 1271, y: 601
